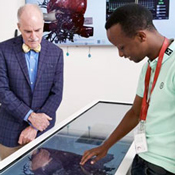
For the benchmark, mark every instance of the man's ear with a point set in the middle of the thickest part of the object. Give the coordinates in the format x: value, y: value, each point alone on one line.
x: 141, y: 35
x: 18, y: 24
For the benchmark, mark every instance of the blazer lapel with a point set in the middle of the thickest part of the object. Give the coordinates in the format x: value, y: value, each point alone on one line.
x: 21, y: 57
x: 42, y: 62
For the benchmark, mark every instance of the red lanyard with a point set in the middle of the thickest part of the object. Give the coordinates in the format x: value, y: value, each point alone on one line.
x: 145, y: 102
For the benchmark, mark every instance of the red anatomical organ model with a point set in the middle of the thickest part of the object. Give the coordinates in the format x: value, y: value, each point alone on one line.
x: 68, y: 20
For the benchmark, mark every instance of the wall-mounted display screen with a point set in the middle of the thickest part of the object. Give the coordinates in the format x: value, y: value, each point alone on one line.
x: 81, y: 22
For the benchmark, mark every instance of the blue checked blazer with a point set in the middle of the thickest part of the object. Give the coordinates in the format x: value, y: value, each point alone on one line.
x: 16, y: 96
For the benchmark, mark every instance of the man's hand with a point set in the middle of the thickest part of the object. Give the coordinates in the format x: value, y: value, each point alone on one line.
x: 95, y: 153
x: 27, y: 135
x: 39, y: 120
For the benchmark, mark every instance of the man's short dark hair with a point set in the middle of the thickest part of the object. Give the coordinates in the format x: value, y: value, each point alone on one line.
x: 131, y: 17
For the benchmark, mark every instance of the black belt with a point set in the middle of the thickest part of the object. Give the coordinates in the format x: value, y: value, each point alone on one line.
x: 157, y: 169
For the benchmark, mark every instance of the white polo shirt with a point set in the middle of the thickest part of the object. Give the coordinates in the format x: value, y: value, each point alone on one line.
x: 160, y: 121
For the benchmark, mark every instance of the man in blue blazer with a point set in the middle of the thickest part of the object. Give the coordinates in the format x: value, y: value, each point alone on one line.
x: 31, y: 82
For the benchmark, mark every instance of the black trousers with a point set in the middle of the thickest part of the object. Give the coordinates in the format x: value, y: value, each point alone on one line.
x: 142, y: 167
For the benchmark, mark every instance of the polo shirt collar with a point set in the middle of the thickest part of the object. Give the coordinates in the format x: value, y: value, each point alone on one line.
x: 167, y: 55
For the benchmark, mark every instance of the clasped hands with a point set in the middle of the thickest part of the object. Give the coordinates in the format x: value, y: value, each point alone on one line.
x: 39, y: 121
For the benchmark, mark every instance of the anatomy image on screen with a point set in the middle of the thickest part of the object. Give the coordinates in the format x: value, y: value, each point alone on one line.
x: 64, y: 19
x: 46, y: 161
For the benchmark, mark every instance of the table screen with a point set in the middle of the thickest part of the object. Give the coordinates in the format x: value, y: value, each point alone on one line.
x: 61, y: 152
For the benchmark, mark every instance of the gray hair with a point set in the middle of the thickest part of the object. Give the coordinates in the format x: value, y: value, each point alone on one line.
x: 24, y: 7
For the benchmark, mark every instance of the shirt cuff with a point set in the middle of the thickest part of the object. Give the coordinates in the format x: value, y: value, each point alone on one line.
x: 27, y: 116
x: 26, y: 119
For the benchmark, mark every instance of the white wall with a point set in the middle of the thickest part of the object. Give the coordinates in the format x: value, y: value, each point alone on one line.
x: 8, y: 17
x: 103, y: 76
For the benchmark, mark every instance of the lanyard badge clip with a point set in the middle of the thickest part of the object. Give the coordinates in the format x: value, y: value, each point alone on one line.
x: 141, y: 127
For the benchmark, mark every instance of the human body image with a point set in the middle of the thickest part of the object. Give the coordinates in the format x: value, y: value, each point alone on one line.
x: 64, y: 20
x: 51, y: 161
x: 31, y: 82
x: 130, y: 28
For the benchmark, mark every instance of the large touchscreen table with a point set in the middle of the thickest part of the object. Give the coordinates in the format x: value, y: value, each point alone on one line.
x: 59, y: 151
